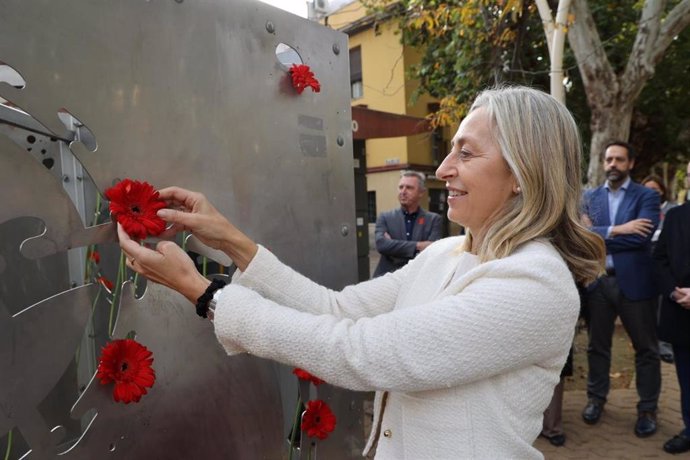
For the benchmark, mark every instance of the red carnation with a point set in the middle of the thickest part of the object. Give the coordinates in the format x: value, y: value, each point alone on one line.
x: 127, y: 363
x: 303, y: 77
x: 318, y: 420
x: 304, y: 375
x: 134, y: 205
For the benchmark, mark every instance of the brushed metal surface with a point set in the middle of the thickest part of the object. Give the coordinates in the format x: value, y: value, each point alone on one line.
x: 187, y: 93
x: 199, y: 397
x: 36, y: 346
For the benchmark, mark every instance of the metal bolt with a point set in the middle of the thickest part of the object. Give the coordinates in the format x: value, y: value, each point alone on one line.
x: 65, y: 178
x: 344, y: 230
x: 340, y: 141
x: 270, y: 27
x: 336, y: 49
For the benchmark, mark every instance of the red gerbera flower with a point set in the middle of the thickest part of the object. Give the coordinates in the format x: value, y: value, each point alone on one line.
x: 105, y: 282
x: 318, y: 420
x: 134, y: 205
x: 303, y: 77
x: 95, y: 257
x: 304, y: 375
x: 127, y: 363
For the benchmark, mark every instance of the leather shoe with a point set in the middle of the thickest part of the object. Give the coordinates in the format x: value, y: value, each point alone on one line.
x: 646, y: 424
x: 677, y: 444
x: 557, y: 440
x: 592, y: 412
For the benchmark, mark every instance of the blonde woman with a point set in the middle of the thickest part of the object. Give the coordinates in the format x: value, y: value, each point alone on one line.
x: 420, y: 336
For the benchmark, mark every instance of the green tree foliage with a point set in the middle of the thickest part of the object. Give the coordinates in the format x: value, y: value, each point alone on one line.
x: 467, y: 45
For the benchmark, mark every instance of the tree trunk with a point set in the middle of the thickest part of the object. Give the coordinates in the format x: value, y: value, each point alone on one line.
x: 608, y: 124
x: 611, y: 97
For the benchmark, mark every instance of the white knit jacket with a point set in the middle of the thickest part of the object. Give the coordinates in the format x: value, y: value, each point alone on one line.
x: 470, y: 361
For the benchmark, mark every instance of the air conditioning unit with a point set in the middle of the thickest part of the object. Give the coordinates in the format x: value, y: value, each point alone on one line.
x: 321, y: 6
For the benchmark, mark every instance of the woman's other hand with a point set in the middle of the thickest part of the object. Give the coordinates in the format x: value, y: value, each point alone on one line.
x: 167, y: 264
x: 191, y: 211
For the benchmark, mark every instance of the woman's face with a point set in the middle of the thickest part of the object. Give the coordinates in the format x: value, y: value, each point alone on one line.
x: 654, y: 186
x: 477, y: 177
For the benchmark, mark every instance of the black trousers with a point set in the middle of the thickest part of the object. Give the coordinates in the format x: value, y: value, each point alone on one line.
x: 682, y: 356
x: 604, y: 303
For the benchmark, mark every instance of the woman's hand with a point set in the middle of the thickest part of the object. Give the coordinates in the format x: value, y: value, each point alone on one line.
x: 168, y: 265
x: 191, y: 211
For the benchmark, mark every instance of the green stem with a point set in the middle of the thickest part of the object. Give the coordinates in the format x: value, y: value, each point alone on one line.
x: 204, y: 265
x: 295, y: 421
x: 116, y: 292
x: 9, y: 445
x: 184, y: 241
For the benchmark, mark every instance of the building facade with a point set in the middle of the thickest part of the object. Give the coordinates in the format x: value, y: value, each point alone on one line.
x: 379, y: 81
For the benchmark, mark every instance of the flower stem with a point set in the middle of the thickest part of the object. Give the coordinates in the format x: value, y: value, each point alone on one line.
x: 184, y: 241
x: 116, y: 292
x: 204, y: 265
x: 295, y: 420
x: 9, y: 445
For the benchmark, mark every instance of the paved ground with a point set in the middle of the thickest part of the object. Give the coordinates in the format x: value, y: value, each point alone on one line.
x: 613, y: 436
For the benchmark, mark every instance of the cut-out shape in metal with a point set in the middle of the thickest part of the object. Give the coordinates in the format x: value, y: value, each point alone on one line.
x: 45, y: 199
x: 287, y: 55
x: 36, y: 345
x: 185, y: 403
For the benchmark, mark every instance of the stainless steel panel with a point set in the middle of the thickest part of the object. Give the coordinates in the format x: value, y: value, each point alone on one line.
x: 190, y: 93
x: 197, y: 400
x: 34, y: 353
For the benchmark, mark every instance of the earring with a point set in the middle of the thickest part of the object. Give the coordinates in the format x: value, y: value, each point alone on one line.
x: 518, y: 190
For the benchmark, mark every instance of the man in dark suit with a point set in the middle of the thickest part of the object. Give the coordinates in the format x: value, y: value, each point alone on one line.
x: 404, y: 232
x: 625, y: 214
x: 672, y: 257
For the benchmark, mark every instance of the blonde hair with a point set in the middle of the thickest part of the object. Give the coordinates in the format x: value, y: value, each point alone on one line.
x: 539, y: 140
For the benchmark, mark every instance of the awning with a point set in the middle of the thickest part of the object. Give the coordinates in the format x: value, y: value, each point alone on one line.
x: 373, y: 124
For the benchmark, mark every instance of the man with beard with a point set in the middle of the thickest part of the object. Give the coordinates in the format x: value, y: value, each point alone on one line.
x: 404, y: 232
x: 625, y: 214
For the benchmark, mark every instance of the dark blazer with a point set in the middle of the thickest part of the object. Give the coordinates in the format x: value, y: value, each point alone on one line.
x: 396, y: 251
x: 631, y: 253
x: 672, y: 259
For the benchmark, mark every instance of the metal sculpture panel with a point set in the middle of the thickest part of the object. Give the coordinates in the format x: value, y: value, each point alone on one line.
x: 173, y: 92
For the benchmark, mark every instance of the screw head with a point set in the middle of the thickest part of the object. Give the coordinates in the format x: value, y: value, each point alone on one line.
x: 340, y: 141
x: 270, y: 27
x: 344, y: 230
x: 336, y: 49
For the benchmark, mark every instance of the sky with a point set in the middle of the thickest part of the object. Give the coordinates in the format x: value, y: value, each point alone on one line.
x: 298, y: 7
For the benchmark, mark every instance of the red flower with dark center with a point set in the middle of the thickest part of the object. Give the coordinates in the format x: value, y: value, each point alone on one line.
x: 318, y: 420
x: 304, y: 375
x: 134, y: 205
x: 303, y: 77
x: 127, y: 363
x: 105, y: 282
